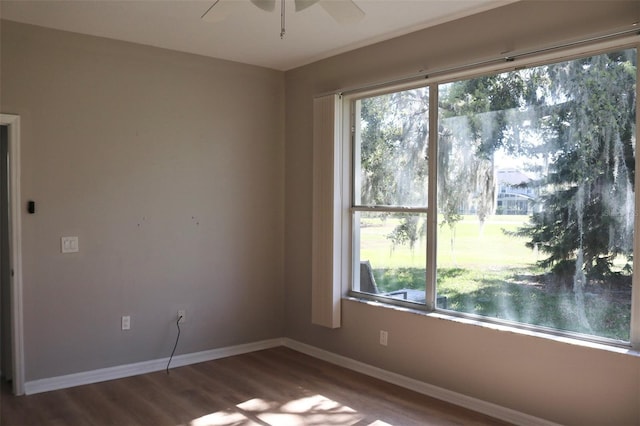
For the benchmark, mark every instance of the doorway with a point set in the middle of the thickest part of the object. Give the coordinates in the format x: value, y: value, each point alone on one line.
x: 11, y: 326
x: 6, y: 369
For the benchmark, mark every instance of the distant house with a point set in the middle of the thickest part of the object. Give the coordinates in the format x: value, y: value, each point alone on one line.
x: 514, y: 197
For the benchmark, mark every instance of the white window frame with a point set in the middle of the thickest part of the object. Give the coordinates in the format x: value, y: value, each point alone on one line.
x: 350, y: 272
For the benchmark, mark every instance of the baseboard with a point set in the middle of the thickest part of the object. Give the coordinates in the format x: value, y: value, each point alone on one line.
x: 118, y: 372
x: 456, y: 398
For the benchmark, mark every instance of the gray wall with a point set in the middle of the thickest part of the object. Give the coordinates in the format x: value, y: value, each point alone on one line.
x: 169, y: 169
x: 569, y: 384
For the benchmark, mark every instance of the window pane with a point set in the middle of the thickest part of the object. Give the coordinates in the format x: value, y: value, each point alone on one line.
x: 536, y: 196
x: 391, y: 149
x: 390, y: 255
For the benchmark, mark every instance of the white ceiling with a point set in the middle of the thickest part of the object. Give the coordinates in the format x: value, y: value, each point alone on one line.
x: 248, y: 35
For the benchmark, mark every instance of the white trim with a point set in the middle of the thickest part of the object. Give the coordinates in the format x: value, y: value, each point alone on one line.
x: 128, y: 370
x: 121, y: 371
x: 432, y: 231
x: 635, y: 287
x: 15, y: 250
x: 456, y: 398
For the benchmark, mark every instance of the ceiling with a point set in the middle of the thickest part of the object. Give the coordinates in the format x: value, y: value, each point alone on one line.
x: 249, y: 34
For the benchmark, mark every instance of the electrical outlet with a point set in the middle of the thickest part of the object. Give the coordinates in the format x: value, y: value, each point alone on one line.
x: 126, y: 322
x: 384, y: 337
x: 182, y: 315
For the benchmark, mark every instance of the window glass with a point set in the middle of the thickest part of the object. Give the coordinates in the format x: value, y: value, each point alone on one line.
x: 392, y: 261
x: 536, y: 194
x: 391, y: 149
x: 390, y: 177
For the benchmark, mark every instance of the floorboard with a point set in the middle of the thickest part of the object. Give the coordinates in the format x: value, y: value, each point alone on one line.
x: 273, y: 387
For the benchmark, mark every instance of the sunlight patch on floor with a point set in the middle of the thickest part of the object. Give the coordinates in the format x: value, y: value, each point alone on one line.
x: 312, y: 410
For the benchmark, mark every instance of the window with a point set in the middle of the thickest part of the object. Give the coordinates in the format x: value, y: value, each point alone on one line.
x: 528, y: 192
x: 390, y: 194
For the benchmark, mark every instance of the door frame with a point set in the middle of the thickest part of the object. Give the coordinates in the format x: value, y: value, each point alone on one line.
x: 15, y: 251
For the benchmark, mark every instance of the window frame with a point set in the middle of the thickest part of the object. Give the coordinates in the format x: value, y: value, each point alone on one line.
x: 432, y: 83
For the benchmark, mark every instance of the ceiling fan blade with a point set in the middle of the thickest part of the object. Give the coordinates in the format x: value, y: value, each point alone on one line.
x: 266, y: 5
x: 343, y: 11
x: 303, y: 4
x: 218, y: 11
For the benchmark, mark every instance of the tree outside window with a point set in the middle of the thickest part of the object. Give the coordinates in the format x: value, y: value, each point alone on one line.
x: 535, y: 194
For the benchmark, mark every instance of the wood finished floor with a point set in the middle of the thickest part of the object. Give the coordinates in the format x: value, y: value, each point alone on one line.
x: 274, y: 387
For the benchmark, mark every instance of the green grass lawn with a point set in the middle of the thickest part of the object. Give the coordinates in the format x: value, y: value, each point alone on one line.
x: 490, y: 273
x: 472, y: 246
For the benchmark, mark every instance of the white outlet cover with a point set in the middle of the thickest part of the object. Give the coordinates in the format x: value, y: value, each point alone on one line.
x: 384, y: 336
x: 69, y: 245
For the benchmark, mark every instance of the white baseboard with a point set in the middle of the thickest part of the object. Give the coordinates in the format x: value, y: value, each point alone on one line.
x: 118, y: 372
x: 456, y: 398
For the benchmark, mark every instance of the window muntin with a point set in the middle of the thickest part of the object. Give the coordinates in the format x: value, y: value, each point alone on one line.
x: 517, y: 152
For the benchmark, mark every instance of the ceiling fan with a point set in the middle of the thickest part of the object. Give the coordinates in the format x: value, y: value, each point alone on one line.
x: 343, y: 11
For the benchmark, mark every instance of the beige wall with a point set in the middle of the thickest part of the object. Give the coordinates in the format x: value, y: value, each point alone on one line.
x: 169, y: 169
x: 557, y: 381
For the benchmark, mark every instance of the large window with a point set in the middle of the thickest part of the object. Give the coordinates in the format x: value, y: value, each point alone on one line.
x: 532, y: 199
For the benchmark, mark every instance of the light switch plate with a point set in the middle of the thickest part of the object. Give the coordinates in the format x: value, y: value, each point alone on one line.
x: 126, y: 322
x: 70, y: 244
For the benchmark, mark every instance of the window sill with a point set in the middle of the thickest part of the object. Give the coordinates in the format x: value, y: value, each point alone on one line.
x: 443, y: 315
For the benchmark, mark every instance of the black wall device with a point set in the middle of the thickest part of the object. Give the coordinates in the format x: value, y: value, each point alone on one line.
x: 31, y: 207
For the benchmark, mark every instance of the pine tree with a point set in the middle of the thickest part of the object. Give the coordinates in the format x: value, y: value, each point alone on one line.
x: 586, y: 211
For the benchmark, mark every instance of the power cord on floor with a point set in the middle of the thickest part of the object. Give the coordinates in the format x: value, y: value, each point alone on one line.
x: 176, y: 345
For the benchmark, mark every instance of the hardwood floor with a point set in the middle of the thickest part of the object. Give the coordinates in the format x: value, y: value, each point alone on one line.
x: 273, y: 387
